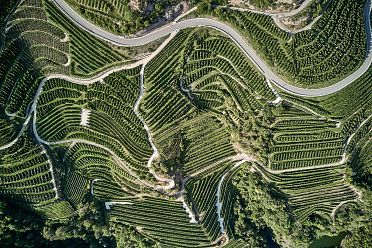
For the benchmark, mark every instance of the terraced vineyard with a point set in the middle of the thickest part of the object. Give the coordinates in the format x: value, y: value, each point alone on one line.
x: 108, y: 106
x: 302, y: 141
x: 27, y: 177
x: 165, y: 220
x: 198, y: 82
x: 192, y: 146
x: 329, y: 51
x: 81, y: 45
x: 313, y: 190
x: 116, y: 16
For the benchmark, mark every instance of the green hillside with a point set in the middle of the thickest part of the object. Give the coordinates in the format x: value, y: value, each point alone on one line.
x: 184, y: 144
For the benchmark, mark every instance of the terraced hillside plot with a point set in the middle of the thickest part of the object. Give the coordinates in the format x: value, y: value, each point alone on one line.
x: 163, y: 220
x: 202, y: 192
x: 329, y: 51
x: 83, y: 61
x: 44, y: 43
x: 106, y: 142
x: 27, y: 177
x: 110, y: 179
x: 362, y: 160
x: 205, y: 192
x: 315, y: 190
x: 302, y: 140
x: 8, y: 130
x: 193, y: 146
x: 31, y: 47
x: 111, y: 121
x: 307, y: 159
x: 194, y: 99
x: 26, y: 173
x: 342, y: 104
x: 75, y: 187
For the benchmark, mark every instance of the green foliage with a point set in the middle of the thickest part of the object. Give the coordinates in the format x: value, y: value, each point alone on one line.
x: 117, y: 94
x: 261, y: 213
x: 75, y: 186
x: 361, y: 163
x: 21, y: 228
x: 355, y: 220
x: 360, y: 238
x: 300, y: 139
x: 89, y: 225
x: 88, y: 228
x: 29, y: 48
x: 199, y: 187
x: 6, y: 9
x: 164, y: 221
x: 27, y: 176
x: 215, y: 94
x: 262, y: 4
x: 122, y: 17
x: 312, y: 190
x: 81, y: 45
x: 204, y: 103
x: 116, y: 16
x: 329, y: 51
x: 204, y: 7
x: 344, y: 104
x: 8, y: 129
x: 129, y: 237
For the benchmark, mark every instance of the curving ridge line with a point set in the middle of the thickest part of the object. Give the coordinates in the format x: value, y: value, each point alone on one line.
x: 235, y: 36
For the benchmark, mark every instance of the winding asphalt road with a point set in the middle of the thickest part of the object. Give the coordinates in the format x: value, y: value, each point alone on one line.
x: 235, y: 36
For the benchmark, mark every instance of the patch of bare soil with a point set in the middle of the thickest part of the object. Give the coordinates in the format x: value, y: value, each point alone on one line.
x: 281, y: 5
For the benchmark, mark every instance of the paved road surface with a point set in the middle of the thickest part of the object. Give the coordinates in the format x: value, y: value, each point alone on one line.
x: 235, y: 36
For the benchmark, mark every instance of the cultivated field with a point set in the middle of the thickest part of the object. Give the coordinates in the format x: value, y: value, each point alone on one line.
x: 193, y: 144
